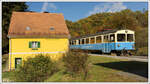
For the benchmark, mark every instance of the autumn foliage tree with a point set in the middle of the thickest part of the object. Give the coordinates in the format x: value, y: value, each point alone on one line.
x: 125, y: 19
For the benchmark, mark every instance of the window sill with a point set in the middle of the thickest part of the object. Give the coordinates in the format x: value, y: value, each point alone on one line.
x: 34, y: 48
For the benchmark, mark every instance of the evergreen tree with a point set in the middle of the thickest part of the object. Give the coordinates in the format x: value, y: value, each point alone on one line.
x: 7, y: 9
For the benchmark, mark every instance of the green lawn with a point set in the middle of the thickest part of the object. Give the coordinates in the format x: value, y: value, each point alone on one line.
x: 102, y: 69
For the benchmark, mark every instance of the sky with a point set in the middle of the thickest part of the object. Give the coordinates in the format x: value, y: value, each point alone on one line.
x: 75, y: 11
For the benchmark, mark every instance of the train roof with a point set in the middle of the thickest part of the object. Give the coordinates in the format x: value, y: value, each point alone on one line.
x: 99, y: 33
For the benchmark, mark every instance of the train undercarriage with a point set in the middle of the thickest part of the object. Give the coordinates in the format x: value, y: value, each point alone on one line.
x: 112, y: 53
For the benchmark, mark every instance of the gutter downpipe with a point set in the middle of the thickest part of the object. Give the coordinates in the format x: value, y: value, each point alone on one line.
x: 9, y: 53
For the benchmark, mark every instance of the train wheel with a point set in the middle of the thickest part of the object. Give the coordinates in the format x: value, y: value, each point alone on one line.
x: 118, y: 54
x: 122, y: 54
x: 129, y: 52
x: 126, y: 53
x: 113, y: 54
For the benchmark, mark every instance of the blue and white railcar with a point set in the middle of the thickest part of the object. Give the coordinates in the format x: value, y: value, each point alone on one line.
x: 109, y: 41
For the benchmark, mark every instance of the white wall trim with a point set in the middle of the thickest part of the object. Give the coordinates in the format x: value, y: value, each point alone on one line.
x: 38, y: 52
x: 10, y: 54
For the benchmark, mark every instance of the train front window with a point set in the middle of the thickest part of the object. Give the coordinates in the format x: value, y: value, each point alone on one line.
x: 120, y: 37
x: 130, y: 37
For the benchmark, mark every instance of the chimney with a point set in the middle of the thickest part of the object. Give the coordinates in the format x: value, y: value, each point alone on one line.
x: 45, y: 12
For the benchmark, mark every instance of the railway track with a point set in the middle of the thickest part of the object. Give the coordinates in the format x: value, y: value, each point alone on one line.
x: 131, y: 58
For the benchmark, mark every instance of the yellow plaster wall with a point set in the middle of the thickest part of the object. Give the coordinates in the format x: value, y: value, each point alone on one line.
x: 20, y: 46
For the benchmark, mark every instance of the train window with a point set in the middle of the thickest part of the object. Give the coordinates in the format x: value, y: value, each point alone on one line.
x: 70, y: 42
x: 83, y: 41
x: 92, y: 41
x: 74, y: 42
x: 106, y: 39
x: 120, y: 37
x: 130, y: 37
x: 112, y: 38
x: 98, y: 39
x: 80, y: 41
x: 87, y: 40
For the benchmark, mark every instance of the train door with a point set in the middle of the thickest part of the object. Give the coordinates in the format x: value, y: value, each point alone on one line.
x: 106, y: 44
x: 105, y: 48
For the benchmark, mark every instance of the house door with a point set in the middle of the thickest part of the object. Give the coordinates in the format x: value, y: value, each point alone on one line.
x: 18, y: 62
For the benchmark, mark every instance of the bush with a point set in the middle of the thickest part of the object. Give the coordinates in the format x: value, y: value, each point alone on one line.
x: 36, y: 69
x: 142, y: 51
x: 76, y: 63
x: 5, y: 58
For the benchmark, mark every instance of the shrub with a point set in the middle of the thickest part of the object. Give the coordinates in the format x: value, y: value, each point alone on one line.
x: 36, y: 69
x: 4, y: 58
x: 142, y: 51
x: 76, y: 62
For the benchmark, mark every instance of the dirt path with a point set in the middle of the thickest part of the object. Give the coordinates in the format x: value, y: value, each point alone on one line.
x: 133, y: 76
x: 139, y: 75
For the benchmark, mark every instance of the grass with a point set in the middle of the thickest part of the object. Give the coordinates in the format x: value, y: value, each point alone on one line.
x: 3, y: 65
x: 4, y: 60
x: 102, y: 69
x: 142, y: 51
x: 9, y: 75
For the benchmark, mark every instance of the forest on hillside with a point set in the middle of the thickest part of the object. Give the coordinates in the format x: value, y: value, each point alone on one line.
x: 125, y: 19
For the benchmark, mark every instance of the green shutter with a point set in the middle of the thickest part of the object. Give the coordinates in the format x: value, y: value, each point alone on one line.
x: 30, y: 44
x: 38, y: 44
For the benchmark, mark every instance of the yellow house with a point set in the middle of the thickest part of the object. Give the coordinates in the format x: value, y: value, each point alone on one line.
x: 33, y: 33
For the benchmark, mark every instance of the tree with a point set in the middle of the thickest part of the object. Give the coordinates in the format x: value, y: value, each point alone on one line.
x: 125, y: 19
x: 7, y: 9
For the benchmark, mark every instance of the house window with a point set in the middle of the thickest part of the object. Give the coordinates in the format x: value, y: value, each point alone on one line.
x: 51, y: 28
x: 34, y: 44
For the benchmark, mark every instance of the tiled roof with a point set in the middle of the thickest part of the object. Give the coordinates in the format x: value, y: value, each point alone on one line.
x: 31, y: 24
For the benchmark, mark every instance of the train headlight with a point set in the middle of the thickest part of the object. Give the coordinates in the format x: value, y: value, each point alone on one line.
x: 133, y: 46
x: 118, y: 45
